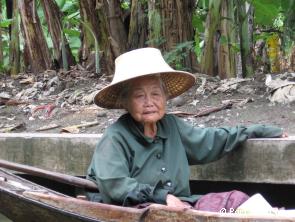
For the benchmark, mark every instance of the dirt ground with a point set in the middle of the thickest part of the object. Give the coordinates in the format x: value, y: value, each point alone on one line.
x: 61, y: 102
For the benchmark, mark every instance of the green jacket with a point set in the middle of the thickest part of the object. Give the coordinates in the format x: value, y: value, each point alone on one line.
x: 130, y: 168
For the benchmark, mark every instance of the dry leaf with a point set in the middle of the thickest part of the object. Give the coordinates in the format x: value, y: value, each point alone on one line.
x: 28, y: 80
x: 48, y: 127
x: 10, y: 128
x: 70, y: 129
x: 75, y: 128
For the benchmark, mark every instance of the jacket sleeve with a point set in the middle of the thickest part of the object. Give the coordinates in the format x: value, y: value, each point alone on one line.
x: 110, y: 170
x: 205, y: 145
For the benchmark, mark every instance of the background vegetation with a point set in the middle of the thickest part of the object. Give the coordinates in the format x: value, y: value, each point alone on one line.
x: 228, y: 38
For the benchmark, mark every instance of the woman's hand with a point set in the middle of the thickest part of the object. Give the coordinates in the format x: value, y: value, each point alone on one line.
x: 284, y: 135
x: 173, y: 201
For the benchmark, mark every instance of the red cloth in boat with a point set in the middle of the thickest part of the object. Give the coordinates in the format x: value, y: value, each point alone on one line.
x: 224, y: 202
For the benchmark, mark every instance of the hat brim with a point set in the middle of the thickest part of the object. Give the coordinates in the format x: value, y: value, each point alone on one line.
x: 176, y: 83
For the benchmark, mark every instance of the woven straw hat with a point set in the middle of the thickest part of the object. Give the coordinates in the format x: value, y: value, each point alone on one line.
x: 138, y: 63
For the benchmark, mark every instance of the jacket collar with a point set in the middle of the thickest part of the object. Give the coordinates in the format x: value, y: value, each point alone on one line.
x: 137, y: 129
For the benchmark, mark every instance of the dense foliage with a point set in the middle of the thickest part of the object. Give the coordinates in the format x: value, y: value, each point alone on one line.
x: 273, y: 25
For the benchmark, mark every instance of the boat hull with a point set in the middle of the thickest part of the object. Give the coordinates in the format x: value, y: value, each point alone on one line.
x: 20, y: 209
x: 22, y: 200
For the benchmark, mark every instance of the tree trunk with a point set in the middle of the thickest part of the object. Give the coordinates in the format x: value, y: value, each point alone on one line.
x: 93, y: 14
x: 55, y: 27
x: 116, y: 26
x: 138, y: 32
x: 176, y: 27
x: 14, y: 48
x: 292, y: 60
x: 1, y: 43
x: 226, y: 55
x: 208, y: 62
x: 245, y: 45
x: 35, y: 42
x: 155, y: 32
x: 168, y: 26
x: 9, y: 12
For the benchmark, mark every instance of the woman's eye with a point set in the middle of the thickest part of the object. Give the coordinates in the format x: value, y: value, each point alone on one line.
x: 156, y: 93
x: 139, y: 95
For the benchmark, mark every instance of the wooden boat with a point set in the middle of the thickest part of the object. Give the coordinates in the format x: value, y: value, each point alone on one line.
x: 23, y: 200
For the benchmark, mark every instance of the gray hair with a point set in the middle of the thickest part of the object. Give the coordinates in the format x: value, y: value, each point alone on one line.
x: 126, y: 89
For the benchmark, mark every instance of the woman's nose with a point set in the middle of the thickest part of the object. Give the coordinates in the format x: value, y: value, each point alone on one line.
x: 148, y: 100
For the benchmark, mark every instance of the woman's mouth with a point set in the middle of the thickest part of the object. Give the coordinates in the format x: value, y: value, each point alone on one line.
x: 148, y: 112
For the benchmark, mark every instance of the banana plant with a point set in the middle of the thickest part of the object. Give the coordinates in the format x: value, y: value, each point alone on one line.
x: 87, y: 26
x: 4, y: 44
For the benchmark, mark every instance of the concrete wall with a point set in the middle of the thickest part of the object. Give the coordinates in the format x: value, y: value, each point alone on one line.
x: 260, y: 160
x: 64, y: 153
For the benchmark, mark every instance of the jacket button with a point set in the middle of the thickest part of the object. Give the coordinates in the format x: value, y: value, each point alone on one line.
x: 156, y: 140
x: 163, y: 170
x: 159, y: 155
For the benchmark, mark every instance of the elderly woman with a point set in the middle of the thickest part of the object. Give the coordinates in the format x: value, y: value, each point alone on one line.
x: 144, y: 156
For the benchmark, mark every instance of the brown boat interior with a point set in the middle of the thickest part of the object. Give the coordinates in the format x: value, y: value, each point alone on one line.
x: 278, y: 195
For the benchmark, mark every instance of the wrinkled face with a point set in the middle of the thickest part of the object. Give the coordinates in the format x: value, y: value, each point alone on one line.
x: 146, y: 100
